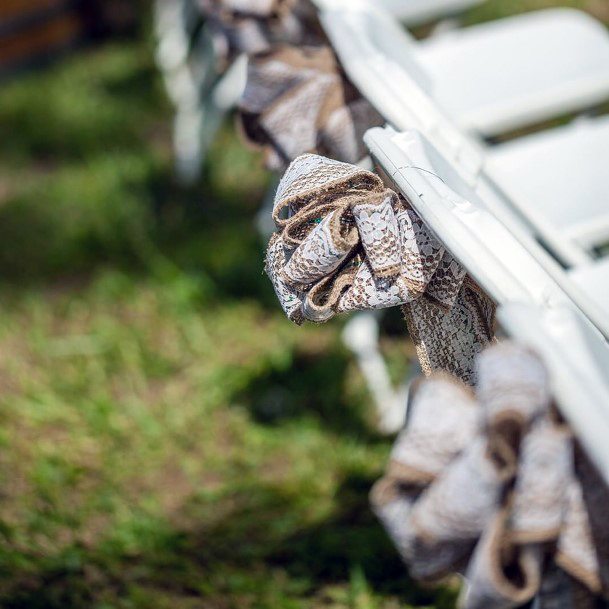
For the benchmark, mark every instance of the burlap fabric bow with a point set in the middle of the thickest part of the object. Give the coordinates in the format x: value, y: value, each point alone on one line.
x: 298, y: 100
x: 257, y: 26
x: 346, y: 243
x: 492, y: 485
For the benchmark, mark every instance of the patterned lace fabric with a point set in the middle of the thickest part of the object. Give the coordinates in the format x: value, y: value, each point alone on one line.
x: 346, y: 243
x: 491, y: 484
x: 450, y: 340
x: 298, y: 100
x: 257, y: 26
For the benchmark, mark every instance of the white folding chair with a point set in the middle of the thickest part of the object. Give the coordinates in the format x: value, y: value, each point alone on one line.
x: 201, y: 96
x: 385, y: 77
x: 489, y: 78
x: 536, y: 307
x: 507, y: 268
x: 559, y: 179
x: 504, y: 259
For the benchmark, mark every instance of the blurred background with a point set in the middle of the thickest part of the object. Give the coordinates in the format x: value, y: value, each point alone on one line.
x: 167, y: 438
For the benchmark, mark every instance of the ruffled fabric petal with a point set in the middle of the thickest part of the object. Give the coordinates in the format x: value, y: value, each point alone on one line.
x: 495, y: 488
x: 351, y: 244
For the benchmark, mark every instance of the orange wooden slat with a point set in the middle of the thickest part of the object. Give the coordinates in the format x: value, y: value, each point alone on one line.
x: 35, y: 41
x: 11, y: 9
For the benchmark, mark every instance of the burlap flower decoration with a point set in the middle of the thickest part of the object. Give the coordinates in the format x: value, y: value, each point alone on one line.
x: 298, y: 100
x: 346, y: 243
x: 258, y: 26
x: 491, y: 485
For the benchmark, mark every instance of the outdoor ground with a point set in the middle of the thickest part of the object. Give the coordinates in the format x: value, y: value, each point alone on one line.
x: 167, y: 438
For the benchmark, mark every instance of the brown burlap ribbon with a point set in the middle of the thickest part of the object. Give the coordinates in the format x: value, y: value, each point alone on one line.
x: 258, y: 26
x: 346, y: 243
x: 298, y: 100
x: 491, y: 485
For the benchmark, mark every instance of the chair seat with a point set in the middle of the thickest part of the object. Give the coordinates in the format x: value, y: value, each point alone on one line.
x: 505, y: 74
x: 594, y: 281
x: 560, y: 175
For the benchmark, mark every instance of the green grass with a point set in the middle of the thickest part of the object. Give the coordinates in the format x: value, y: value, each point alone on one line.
x: 167, y: 438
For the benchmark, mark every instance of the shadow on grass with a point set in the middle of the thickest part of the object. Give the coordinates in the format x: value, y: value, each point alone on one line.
x: 310, y: 385
x: 128, y: 213
x: 86, y: 181
x: 251, y: 549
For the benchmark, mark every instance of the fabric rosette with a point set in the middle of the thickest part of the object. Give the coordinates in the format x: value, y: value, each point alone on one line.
x: 492, y: 485
x: 257, y: 26
x: 298, y: 100
x: 347, y: 243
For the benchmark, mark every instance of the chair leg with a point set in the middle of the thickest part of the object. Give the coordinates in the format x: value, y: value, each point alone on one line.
x: 361, y: 336
x: 264, y: 218
x: 445, y: 25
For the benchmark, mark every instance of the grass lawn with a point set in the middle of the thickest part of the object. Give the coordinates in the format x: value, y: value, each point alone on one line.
x: 167, y: 438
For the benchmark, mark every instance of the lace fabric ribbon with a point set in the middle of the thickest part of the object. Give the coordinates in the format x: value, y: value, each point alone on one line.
x: 257, y: 26
x: 298, y: 100
x: 492, y: 485
x: 347, y: 243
